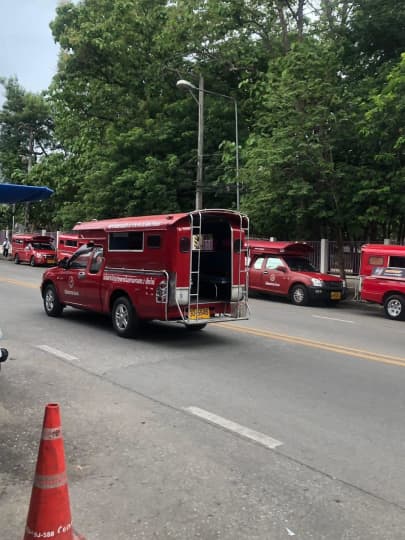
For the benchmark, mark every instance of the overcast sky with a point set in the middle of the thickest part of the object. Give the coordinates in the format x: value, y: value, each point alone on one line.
x: 27, y: 49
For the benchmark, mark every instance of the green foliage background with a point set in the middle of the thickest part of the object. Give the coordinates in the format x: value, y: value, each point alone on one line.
x: 320, y: 94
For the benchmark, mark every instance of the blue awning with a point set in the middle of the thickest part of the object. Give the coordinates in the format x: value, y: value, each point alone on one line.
x: 15, y: 193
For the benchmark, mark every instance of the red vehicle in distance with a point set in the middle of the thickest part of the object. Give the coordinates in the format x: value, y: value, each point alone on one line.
x: 34, y: 249
x: 67, y: 244
x: 386, y: 286
x: 380, y: 255
x: 283, y: 269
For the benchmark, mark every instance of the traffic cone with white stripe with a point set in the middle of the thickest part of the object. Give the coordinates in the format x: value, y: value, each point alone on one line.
x: 49, y: 512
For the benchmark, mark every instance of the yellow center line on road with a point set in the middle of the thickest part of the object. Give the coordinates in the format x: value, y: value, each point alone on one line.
x: 359, y: 353
x: 25, y: 284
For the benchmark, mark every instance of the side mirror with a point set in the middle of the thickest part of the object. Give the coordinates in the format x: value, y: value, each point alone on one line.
x: 282, y: 269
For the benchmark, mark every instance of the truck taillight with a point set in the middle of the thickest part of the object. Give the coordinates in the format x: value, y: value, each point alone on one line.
x: 161, y: 292
x: 182, y: 295
x: 237, y: 293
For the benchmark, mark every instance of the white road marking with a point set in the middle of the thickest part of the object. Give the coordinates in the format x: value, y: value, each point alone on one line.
x: 56, y: 352
x: 248, y: 433
x: 332, y: 319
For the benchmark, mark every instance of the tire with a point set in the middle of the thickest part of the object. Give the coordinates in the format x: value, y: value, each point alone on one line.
x: 32, y: 261
x: 196, y: 327
x: 299, y: 295
x: 16, y: 259
x: 124, y: 318
x: 52, y: 305
x: 394, y: 307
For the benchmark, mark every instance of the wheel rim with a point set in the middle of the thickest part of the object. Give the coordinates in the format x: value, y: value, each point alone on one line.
x: 298, y: 295
x: 394, y: 308
x: 121, y: 317
x: 49, y: 300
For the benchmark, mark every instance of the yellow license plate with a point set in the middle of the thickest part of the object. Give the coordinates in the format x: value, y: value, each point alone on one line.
x: 201, y: 313
x: 335, y: 295
x: 51, y: 261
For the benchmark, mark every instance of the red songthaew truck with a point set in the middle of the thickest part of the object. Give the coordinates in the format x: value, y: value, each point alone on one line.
x: 188, y: 267
x: 380, y: 255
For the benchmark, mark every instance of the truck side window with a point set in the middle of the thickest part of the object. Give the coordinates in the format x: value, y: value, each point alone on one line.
x: 80, y: 262
x: 376, y: 260
x: 397, y: 262
x: 153, y: 241
x: 97, y: 261
x: 184, y: 244
x: 273, y: 262
x: 258, y: 263
x: 126, y: 241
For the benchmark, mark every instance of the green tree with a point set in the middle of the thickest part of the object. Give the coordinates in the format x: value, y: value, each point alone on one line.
x: 26, y: 138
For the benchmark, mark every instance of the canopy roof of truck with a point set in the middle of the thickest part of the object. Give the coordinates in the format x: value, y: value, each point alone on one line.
x: 32, y: 237
x: 163, y: 221
x: 382, y: 248
x: 286, y: 248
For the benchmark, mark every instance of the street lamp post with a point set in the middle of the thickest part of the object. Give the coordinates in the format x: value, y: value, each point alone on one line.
x: 201, y: 91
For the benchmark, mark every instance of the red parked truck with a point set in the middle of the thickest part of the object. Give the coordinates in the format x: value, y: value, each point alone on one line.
x: 283, y: 269
x: 188, y: 267
x: 386, y: 286
x: 34, y: 249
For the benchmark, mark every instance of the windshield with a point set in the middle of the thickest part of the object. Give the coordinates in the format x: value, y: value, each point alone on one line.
x: 299, y: 264
x: 41, y: 245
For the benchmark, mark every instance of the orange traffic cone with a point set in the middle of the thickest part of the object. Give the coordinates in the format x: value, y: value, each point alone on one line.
x: 49, y: 512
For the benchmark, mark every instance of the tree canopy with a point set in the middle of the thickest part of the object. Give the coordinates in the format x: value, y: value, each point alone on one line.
x: 319, y: 88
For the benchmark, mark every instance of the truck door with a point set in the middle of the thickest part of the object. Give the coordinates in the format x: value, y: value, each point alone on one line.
x: 275, y: 275
x: 80, y: 283
x: 256, y: 273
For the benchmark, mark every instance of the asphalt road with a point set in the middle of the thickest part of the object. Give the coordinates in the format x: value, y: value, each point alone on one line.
x: 288, y: 424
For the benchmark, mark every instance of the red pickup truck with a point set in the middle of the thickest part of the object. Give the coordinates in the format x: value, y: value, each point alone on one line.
x: 386, y: 286
x: 283, y: 269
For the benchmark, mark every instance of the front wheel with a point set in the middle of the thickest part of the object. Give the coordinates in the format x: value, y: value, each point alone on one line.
x: 394, y: 307
x: 124, y: 318
x: 299, y: 295
x: 52, y: 305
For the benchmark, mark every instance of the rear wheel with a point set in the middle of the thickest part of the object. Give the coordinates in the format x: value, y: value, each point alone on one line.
x: 299, y: 295
x: 52, y: 305
x: 32, y: 261
x: 124, y: 318
x: 394, y: 307
x: 16, y: 259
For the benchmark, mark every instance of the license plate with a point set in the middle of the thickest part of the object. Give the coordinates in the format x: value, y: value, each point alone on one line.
x: 335, y: 295
x: 51, y: 261
x: 200, y: 313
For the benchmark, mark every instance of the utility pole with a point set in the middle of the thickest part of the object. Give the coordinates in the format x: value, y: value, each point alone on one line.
x: 200, y: 147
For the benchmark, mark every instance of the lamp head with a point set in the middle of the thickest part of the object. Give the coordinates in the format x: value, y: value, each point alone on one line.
x: 182, y: 83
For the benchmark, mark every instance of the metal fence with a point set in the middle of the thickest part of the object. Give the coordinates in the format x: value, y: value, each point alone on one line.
x: 351, y: 256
